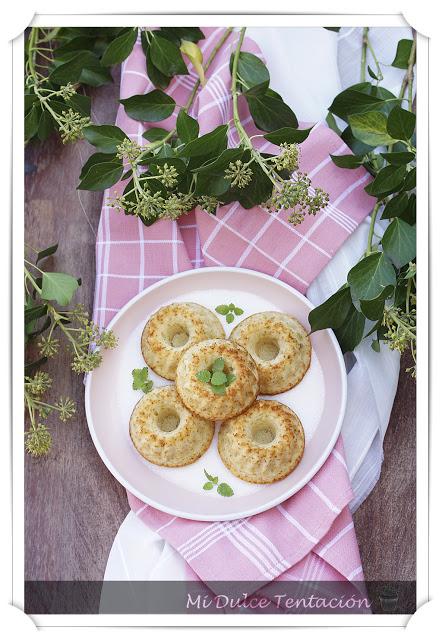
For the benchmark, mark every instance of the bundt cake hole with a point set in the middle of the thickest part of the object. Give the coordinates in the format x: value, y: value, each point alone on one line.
x: 263, y: 433
x: 177, y: 336
x: 168, y: 420
x: 267, y: 349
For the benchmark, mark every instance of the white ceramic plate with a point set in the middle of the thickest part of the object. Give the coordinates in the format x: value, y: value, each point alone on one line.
x: 319, y: 400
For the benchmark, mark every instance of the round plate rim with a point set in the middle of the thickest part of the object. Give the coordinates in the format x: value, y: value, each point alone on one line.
x: 271, y: 503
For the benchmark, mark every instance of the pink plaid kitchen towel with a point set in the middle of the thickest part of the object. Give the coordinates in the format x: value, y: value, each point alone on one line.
x: 311, y: 535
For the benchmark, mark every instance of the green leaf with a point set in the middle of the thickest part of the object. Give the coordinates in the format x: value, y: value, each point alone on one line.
x: 370, y: 276
x: 204, y: 375
x: 376, y: 346
x: 253, y: 73
x: 207, y: 486
x: 101, y: 176
x: 176, y: 34
x: 34, y: 313
x: 372, y: 74
x: 333, y: 125
x: 94, y: 74
x: 270, y: 113
x: 219, y: 390
x: 218, y: 378
x: 45, y: 253
x: 353, y: 100
x: 222, y: 309
x: 403, y: 52
x: 157, y: 78
x: 150, y: 107
x: 395, y: 207
x: 238, y: 311
x: 288, y: 134
x: 410, y: 180
x: 336, y: 29
x: 105, y: 137
x: 401, y: 123
x: 332, y: 312
x: 120, y: 48
x: 370, y: 128
x: 32, y: 120
x: 45, y: 125
x: 374, y: 309
x: 358, y: 147
x: 348, y: 161
x: 230, y: 318
x: 71, y: 71
x: 140, y: 380
x: 213, y: 479
x: 351, y: 332
x: 166, y: 57
x: 218, y: 364
x: 59, y: 287
x: 210, y: 144
x: 187, y: 127
x: 155, y: 134
x: 387, y: 181
x: 97, y: 158
x: 399, y: 242
x: 231, y: 377
x: 399, y: 157
x: 224, y: 490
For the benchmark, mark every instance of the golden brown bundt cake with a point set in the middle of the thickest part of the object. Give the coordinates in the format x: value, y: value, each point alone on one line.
x: 280, y: 346
x: 165, y: 432
x: 172, y: 330
x: 263, y: 444
x: 238, y: 378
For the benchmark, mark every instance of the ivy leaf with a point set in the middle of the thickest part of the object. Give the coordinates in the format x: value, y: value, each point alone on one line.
x: 71, y: 71
x: 373, y: 309
x: 353, y: 100
x: 253, y: 73
x: 149, y: 107
x: 224, y: 490
x: 399, y: 242
x: 410, y: 180
x: 395, y: 207
x: 59, y: 287
x: 332, y: 312
x: 34, y: 313
x: 370, y: 276
x: 166, y: 57
x: 387, y: 181
x: 210, y: 144
x: 176, y: 34
x: 358, y: 147
x: 119, y: 49
x: 32, y: 120
x: 45, y: 126
x: 348, y: 161
x: 187, y: 127
x: 370, y: 128
x: 155, y: 134
x: 398, y: 157
x: 331, y: 122
x: 140, y: 380
x: 94, y: 74
x: 401, y: 123
x: 105, y: 137
x: 351, y: 332
x: 157, y: 78
x: 101, y: 176
x: 97, y: 158
x: 213, y: 479
x: 270, y: 113
x: 45, y: 253
x: 288, y: 134
x: 402, y: 56
x: 204, y: 375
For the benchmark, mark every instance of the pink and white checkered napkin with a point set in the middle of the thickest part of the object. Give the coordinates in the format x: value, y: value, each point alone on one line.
x: 311, y: 535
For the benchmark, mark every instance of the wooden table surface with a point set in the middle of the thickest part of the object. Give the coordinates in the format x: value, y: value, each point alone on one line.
x: 73, y: 505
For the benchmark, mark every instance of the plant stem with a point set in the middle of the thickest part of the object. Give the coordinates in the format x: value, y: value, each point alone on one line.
x: 364, y: 53
x: 409, y: 76
x: 374, y: 214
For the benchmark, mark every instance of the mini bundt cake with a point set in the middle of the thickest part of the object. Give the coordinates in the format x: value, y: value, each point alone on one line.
x: 172, y: 330
x: 164, y: 432
x: 264, y: 444
x: 280, y: 346
x: 231, y: 391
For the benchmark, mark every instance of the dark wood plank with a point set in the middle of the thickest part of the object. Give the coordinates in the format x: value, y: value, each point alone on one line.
x: 386, y: 522
x: 73, y: 505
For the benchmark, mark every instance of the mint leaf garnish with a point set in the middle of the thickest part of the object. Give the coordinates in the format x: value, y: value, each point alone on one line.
x: 140, y: 380
x: 207, y: 486
x: 231, y: 306
x: 230, y: 377
x: 230, y: 318
x: 224, y: 490
x: 213, y: 479
x: 218, y: 364
x: 238, y: 311
x: 204, y: 375
x: 219, y: 389
x: 222, y: 309
x: 218, y: 377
